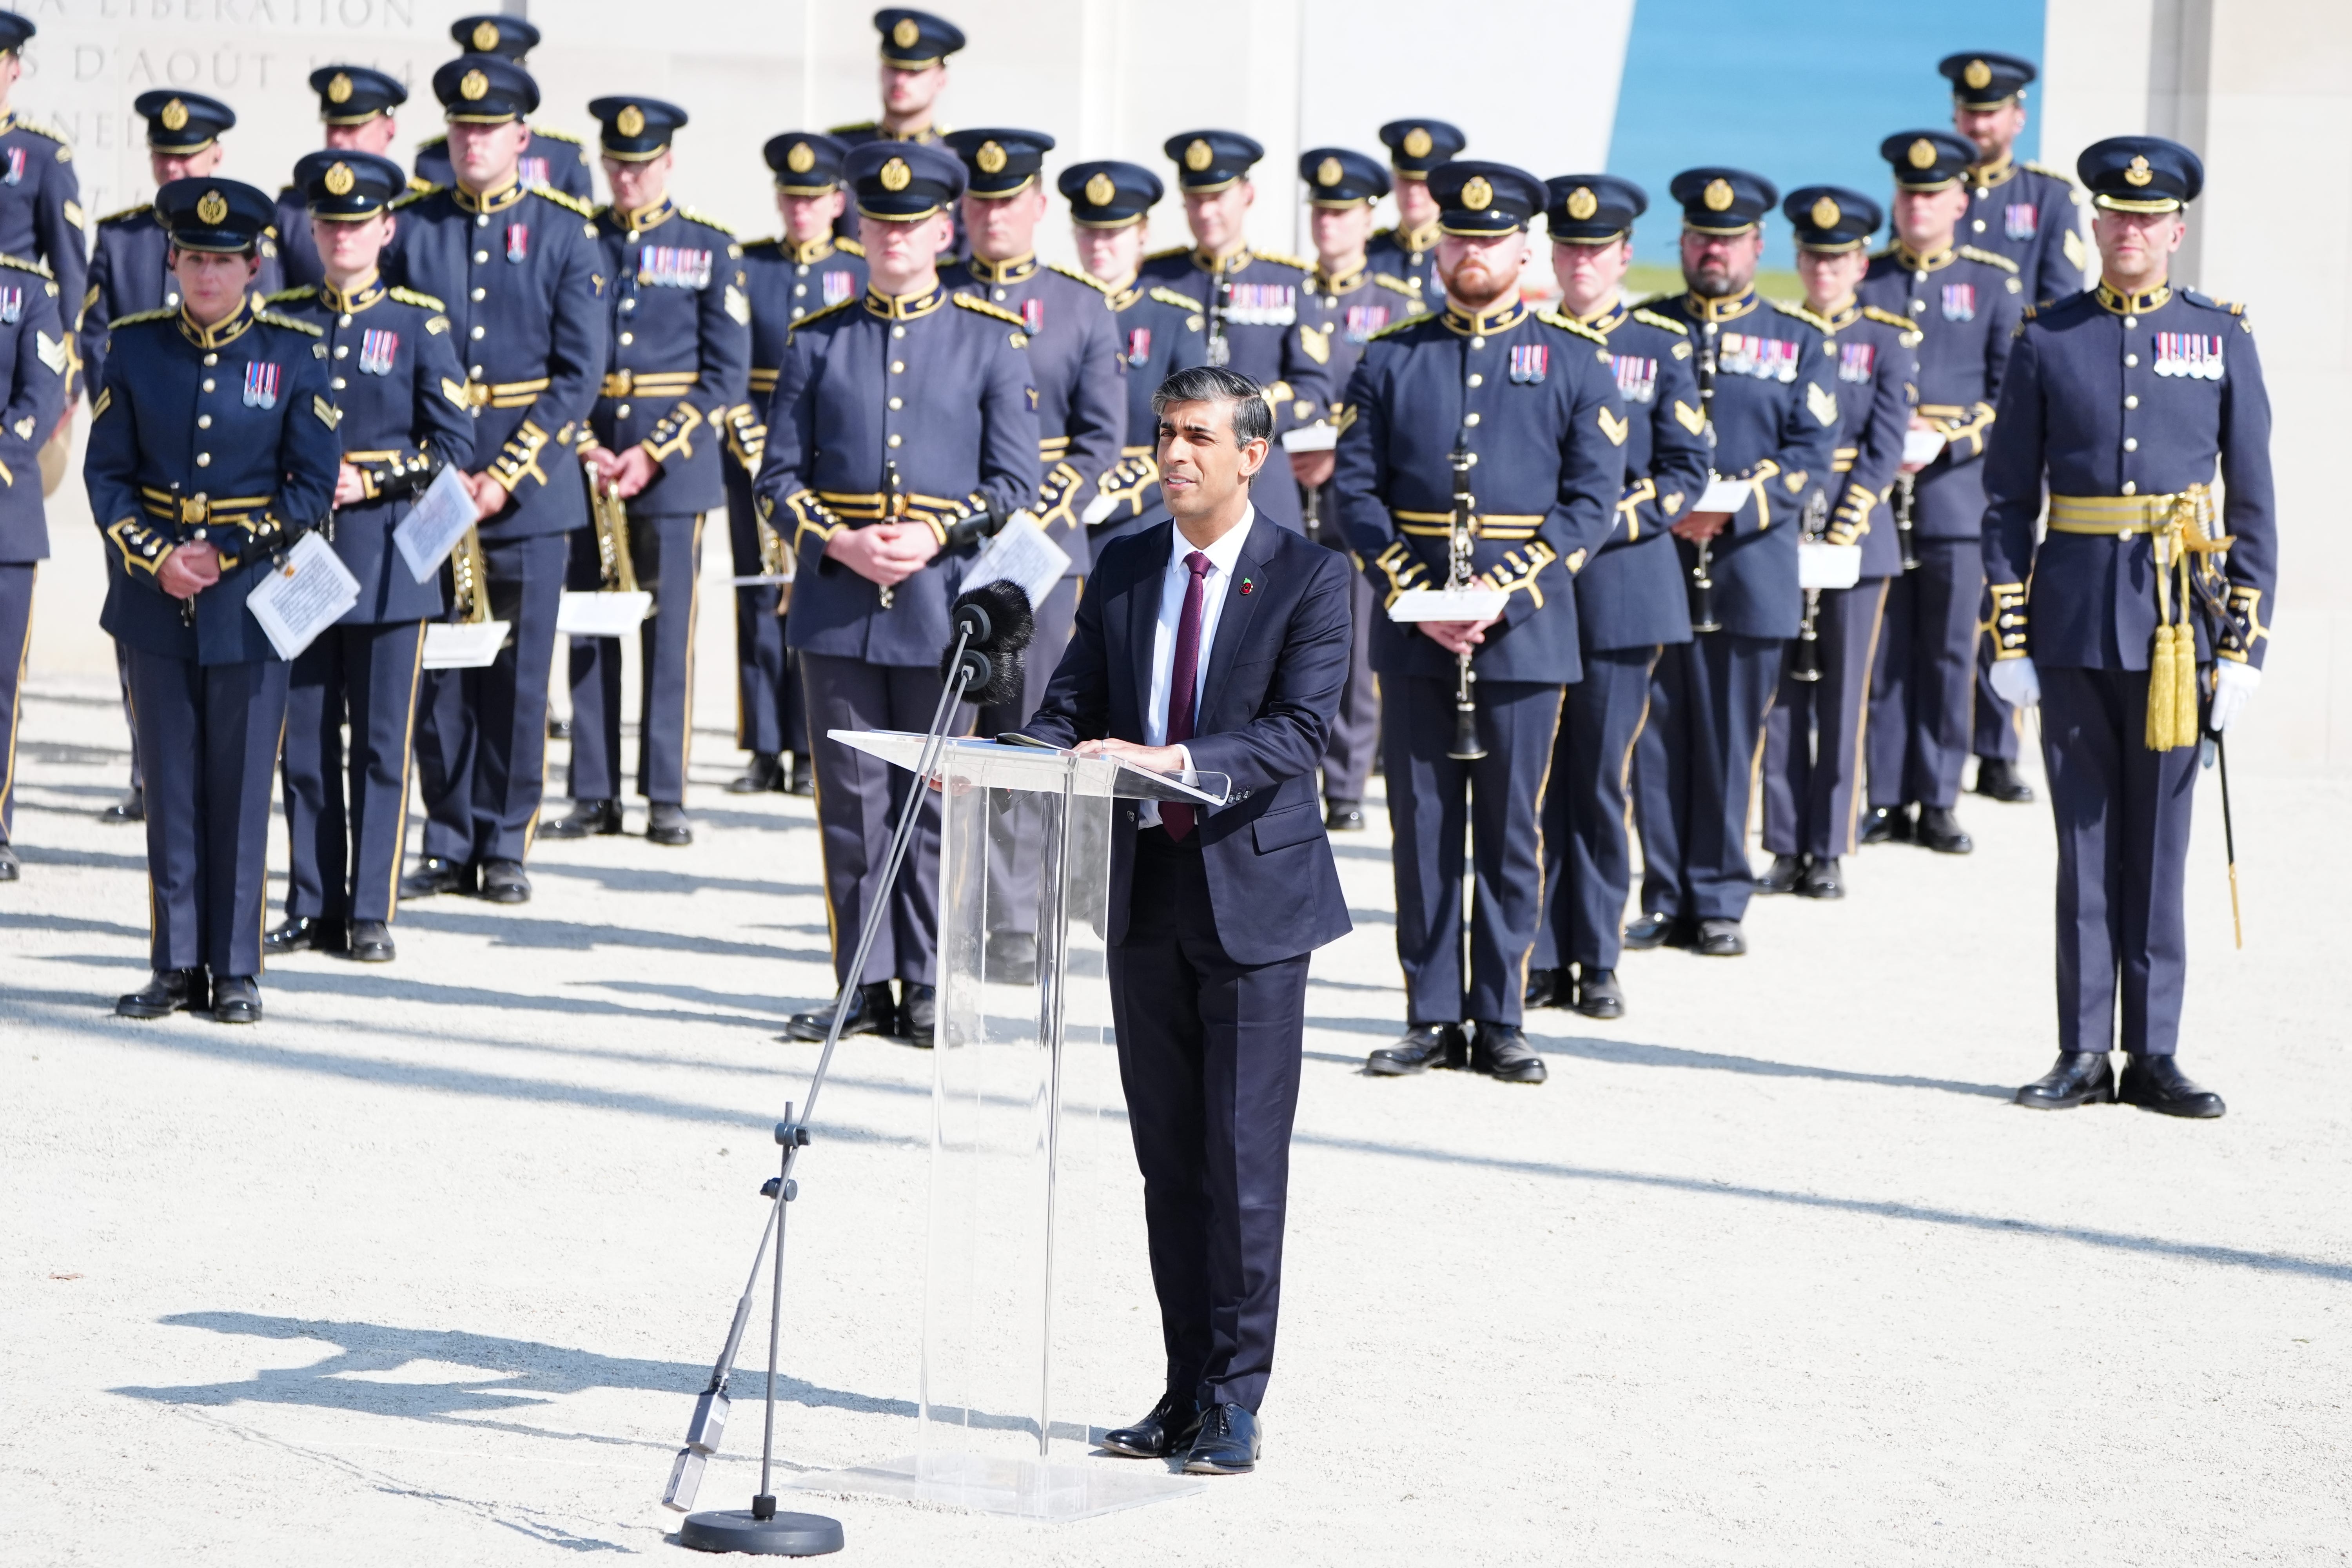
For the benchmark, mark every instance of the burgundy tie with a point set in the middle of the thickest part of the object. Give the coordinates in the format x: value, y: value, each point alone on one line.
x: 1181, y: 680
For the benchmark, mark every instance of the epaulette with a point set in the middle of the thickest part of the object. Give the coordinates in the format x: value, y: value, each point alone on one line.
x: 1653, y: 318
x: 433, y: 141
x: 275, y: 320
x: 133, y: 320
x: 849, y: 247
x: 287, y: 296
x: 1171, y: 250
x: 37, y: 129
x: 985, y: 309
x: 1167, y: 296
x: 1788, y: 308
x: 411, y: 297
x: 413, y: 193
x: 539, y: 130
x: 2192, y: 295
x: 1989, y: 257
x: 1887, y: 318
x: 2032, y: 167
x: 1397, y: 284
x: 569, y: 203
x: 1302, y: 263
x: 39, y: 267
x: 693, y: 217
x: 844, y: 129
x: 1570, y: 324
x: 418, y: 184
x: 1394, y: 327
x: 773, y: 242
x: 1883, y: 254
x: 1388, y: 233
x: 128, y: 212
x: 1088, y: 278
x: 813, y: 317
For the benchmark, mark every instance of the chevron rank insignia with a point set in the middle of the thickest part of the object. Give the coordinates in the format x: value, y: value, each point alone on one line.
x: 1614, y: 427
x: 1691, y: 419
x: 329, y: 415
x: 54, y: 352
x: 1821, y: 405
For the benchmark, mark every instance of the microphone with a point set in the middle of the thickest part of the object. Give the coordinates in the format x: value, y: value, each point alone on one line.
x: 993, y: 622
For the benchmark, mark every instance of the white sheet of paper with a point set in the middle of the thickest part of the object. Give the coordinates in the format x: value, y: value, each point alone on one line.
x: 1098, y: 509
x: 764, y: 580
x: 1821, y: 565
x: 602, y: 614
x: 1021, y: 554
x: 1448, y: 604
x: 304, y: 596
x: 434, y: 525
x: 463, y: 645
x: 1921, y: 446
x: 1311, y: 438
x: 1724, y: 494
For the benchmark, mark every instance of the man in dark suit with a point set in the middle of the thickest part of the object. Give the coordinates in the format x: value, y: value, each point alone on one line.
x: 1218, y: 642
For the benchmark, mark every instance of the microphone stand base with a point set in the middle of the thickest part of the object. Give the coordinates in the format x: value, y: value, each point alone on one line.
x: 779, y: 1535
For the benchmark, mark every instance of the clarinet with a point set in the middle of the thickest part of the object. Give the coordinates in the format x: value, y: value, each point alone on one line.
x: 1702, y: 579
x: 1808, y: 666
x: 1903, y: 520
x: 895, y: 510
x: 1460, y: 550
x: 1221, y: 300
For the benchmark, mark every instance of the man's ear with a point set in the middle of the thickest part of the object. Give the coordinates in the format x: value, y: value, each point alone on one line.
x: 1254, y: 456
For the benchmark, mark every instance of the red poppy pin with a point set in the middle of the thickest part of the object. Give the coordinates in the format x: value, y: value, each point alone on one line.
x: 1247, y: 586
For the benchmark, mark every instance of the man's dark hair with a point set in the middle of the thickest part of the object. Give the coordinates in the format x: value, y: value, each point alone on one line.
x: 1253, y: 420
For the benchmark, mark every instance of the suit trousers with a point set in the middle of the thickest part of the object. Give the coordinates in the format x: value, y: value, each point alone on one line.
x: 1694, y: 768
x: 1499, y: 802
x: 768, y: 716
x: 1920, y: 722
x: 1996, y: 729
x: 16, y: 648
x: 666, y: 553
x: 2123, y: 815
x: 1014, y: 836
x: 345, y: 849
x: 1209, y: 1056
x: 858, y: 798
x: 482, y: 744
x: 1356, y: 728
x: 211, y: 734
x: 1813, y: 739
x: 1588, y: 856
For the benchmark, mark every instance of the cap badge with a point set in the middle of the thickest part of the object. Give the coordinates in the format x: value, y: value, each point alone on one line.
x: 895, y: 176
x: 1979, y: 75
x: 1922, y: 154
x: 340, y: 179
x: 1717, y: 194
x: 2138, y: 174
x: 1099, y: 189
x: 1825, y: 214
x: 212, y: 208
x: 172, y: 116
x: 1197, y: 155
x: 990, y: 158
x: 801, y: 159
x: 339, y: 88
x: 630, y: 121
x: 1417, y: 142
x: 1582, y: 205
x: 1477, y: 195
x: 1328, y: 172
x: 473, y: 87
x: 906, y: 35
x: 485, y: 36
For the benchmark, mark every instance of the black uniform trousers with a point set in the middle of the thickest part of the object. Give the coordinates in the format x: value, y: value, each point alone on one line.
x: 666, y: 554
x: 16, y: 646
x: 768, y: 715
x: 1016, y: 838
x: 1921, y: 696
x: 1499, y: 801
x: 481, y: 742
x: 858, y: 798
x: 345, y: 849
x: 1208, y: 1057
x: 1813, y: 739
x: 211, y: 734
x: 122, y: 677
x: 1693, y: 769
x: 1997, y: 728
x: 1588, y: 855
x: 2123, y: 817
x: 1356, y: 727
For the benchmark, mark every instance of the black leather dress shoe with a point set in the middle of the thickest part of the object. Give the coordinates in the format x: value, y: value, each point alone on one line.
x: 132, y: 807
x: 1821, y: 879
x: 8, y: 871
x: 1786, y: 873
x: 1657, y: 930
x: 504, y: 882
x: 1501, y: 1051
x: 874, y: 1012
x: 236, y: 999
x: 1887, y: 825
x: 1226, y: 1443
x: 1344, y: 816
x: 667, y: 824
x: 1012, y: 957
x: 1721, y: 939
x: 1598, y: 995
x: 372, y: 942
x: 1550, y: 988
x: 803, y: 777
x: 1424, y: 1046
x: 918, y: 1014
x: 558, y: 729
x: 586, y: 819
x: 1169, y: 1429
x: 2156, y: 1083
x: 766, y: 772
x: 1939, y: 830
x: 434, y: 875
x: 305, y: 931
x: 1997, y: 779
x: 169, y: 991
x: 2078, y: 1077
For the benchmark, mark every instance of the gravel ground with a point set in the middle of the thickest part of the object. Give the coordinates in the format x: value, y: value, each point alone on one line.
x: 427, y: 1267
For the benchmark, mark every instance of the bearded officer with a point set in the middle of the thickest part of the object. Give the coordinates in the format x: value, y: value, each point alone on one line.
x: 902, y: 425
x: 357, y: 107
x: 1407, y: 252
x: 36, y: 351
x: 556, y: 159
x: 2129, y: 624
x: 1629, y: 599
x: 1528, y: 398
x: 802, y: 270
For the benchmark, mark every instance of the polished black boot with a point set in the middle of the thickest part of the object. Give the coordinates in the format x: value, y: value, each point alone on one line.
x: 766, y: 772
x: 1501, y: 1051
x: 1227, y: 1443
x: 305, y: 931
x: 667, y: 824
x: 803, y: 780
x: 434, y: 875
x: 873, y: 1011
x: 1997, y: 779
x: 236, y: 999
x: 1786, y: 873
x: 1012, y: 958
x: 587, y: 819
x: 918, y: 1014
x: 1721, y: 939
x: 1424, y: 1046
x: 1657, y: 930
x: 132, y: 807
x: 2157, y: 1084
x: 1598, y: 995
x: 1822, y: 879
x: 1887, y: 825
x: 169, y: 991
x: 1550, y: 988
x: 1344, y: 816
x: 8, y: 871
x: 2078, y: 1077
x: 372, y: 942
x: 1940, y: 830
x: 558, y: 729
x: 1167, y: 1430
x: 505, y: 882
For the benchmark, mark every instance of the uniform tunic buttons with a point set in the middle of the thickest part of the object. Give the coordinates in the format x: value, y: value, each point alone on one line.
x: 894, y: 439
x: 1469, y: 419
x: 801, y: 270
x: 211, y: 359
x: 898, y: 367
x: 799, y: 289
x: 1477, y: 343
x: 622, y: 412
x: 2130, y: 361
x: 481, y: 220
x: 628, y: 304
x: 898, y: 331
x: 343, y: 351
x: 2131, y: 320
x: 478, y: 333
x: 1918, y: 306
x: 203, y: 460
x: 171, y: 299
x: 1978, y: 226
x: 481, y: 257
x: 2131, y: 488
x: 798, y: 312
x: 2131, y: 400
x: 208, y: 384
x: 338, y: 383
x: 2131, y: 443
x: 1000, y: 293
x: 897, y: 403
x: 481, y: 293
x: 628, y: 338
x: 204, y: 421
x: 1477, y: 380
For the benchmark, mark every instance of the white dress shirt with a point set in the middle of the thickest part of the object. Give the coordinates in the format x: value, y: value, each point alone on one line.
x: 1176, y: 580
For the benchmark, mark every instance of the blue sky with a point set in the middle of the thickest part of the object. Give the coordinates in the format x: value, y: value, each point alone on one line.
x: 1801, y: 94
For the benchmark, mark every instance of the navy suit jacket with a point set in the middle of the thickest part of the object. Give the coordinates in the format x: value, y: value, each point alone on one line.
x: 1275, y: 675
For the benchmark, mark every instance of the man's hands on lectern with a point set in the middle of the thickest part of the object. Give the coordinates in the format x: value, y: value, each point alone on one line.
x: 887, y: 552
x: 1158, y: 759
x: 1457, y: 637
x: 189, y: 569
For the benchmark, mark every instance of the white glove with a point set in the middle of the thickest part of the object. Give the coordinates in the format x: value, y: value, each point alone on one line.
x: 2233, y: 683
x: 2016, y: 682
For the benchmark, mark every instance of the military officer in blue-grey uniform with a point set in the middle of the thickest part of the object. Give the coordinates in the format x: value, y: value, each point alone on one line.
x: 1768, y: 377
x: 801, y: 272
x: 1249, y: 299
x: 212, y: 449
x: 1346, y: 303
x: 1406, y: 253
x: 2140, y: 622
x: 35, y: 357
x: 680, y: 336
x: 357, y: 106
x: 913, y: 73
x: 1812, y: 775
x: 1630, y: 598
x: 1965, y: 303
x: 1525, y: 404
x: 399, y: 393
x: 520, y: 270
x: 1160, y: 330
x: 553, y: 158
x: 903, y: 425
x: 40, y: 195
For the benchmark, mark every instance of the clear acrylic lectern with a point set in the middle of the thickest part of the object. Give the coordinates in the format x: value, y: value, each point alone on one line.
x: 1015, y: 1053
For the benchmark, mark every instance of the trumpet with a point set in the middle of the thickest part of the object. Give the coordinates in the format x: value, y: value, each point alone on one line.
x: 1702, y: 575
x: 1459, y: 574
x: 615, y: 572
x: 469, y: 580
x: 1808, y: 666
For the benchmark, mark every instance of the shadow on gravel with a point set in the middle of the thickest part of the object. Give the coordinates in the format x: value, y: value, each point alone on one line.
x: 636, y: 879
x: 11, y: 920
x: 1629, y: 1053
x: 580, y: 936
x: 44, y: 855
